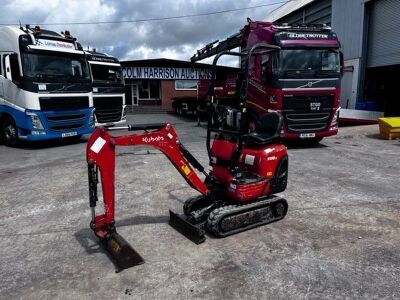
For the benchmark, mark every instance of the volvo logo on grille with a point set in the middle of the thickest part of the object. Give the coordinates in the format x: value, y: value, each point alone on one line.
x: 315, y: 106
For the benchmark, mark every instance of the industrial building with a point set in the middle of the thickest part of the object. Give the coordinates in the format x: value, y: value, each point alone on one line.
x: 153, y: 83
x: 369, y: 31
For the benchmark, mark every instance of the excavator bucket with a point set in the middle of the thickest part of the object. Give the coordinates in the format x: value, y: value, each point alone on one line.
x: 123, y: 253
x: 192, y: 231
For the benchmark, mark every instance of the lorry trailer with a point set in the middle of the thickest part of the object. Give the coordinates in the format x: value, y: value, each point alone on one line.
x: 224, y: 88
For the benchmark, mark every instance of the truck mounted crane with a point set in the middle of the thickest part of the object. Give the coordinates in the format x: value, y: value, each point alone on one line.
x: 300, y: 80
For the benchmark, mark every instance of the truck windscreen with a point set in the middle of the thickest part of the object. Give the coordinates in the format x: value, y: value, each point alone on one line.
x: 54, y: 68
x: 307, y: 63
x: 106, y: 73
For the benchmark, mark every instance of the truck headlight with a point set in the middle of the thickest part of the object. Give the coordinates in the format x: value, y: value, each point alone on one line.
x: 124, y: 112
x: 92, y: 119
x: 36, y: 123
x: 335, y: 117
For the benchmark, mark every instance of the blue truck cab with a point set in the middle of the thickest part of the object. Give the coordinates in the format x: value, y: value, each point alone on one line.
x: 45, y: 86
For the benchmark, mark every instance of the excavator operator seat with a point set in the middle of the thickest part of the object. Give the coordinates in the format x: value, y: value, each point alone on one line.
x: 267, y: 129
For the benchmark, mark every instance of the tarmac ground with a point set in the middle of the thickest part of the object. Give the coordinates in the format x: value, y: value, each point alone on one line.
x: 340, y: 238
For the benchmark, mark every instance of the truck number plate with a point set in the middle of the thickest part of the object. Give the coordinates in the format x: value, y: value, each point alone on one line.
x: 68, y: 134
x: 307, y: 135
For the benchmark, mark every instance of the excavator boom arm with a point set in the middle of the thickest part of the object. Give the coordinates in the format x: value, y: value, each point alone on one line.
x: 101, y: 157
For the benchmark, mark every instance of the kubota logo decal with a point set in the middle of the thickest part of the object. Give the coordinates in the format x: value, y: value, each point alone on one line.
x: 152, y: 139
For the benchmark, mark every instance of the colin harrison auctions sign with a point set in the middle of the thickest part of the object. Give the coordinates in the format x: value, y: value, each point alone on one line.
x: 165, y: 73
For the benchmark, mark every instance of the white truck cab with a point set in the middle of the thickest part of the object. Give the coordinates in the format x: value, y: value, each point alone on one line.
x: 45, y: 85
x: 108, y: 88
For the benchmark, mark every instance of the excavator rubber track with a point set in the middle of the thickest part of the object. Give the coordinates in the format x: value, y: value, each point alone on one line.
x: 233, y: 219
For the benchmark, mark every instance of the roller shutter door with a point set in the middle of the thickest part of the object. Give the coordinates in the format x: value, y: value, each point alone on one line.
x: 384, y: 33
x: 317, y: 12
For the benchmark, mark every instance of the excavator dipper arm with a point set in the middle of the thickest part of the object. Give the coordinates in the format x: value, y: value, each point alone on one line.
x: 101, y: 157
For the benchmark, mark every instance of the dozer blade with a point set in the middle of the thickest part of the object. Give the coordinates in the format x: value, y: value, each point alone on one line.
x: 182, y: 225
x: 123, y: 253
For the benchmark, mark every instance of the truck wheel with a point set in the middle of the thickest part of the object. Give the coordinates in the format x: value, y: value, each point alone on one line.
x: 9, y: 132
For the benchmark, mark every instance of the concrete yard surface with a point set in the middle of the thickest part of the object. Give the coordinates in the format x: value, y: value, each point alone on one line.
x: 340, y: 238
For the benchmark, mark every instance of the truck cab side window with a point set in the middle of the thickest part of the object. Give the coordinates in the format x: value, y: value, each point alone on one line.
x: 265, y: 66
x: 16, y: 75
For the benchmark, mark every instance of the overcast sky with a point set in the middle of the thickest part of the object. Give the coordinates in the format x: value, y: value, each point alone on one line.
x: 175, y: 39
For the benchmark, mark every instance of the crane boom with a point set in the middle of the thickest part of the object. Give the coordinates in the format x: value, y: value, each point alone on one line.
x: 213, y: 48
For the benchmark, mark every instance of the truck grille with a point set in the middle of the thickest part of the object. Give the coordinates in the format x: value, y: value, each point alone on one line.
x: 108, y: 109
x: 62, y: 121
x: 63, y: 103
x: 307, y: 113
x: 55, y: 118
x: 66, y: 127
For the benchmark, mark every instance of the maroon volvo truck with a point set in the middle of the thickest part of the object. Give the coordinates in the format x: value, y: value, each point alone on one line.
x: 292, y: 70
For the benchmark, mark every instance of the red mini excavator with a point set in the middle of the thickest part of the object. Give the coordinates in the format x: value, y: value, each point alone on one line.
x: 247, y: 168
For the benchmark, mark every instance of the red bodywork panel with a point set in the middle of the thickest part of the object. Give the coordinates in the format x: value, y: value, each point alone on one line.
x: 262, y: 161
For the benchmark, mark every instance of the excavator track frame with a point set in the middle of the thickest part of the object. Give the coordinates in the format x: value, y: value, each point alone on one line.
x: 263, y: 211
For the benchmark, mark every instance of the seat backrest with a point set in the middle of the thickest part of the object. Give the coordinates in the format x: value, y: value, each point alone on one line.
x: 269, y: 124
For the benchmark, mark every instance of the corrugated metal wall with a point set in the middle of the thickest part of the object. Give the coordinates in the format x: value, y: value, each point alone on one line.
x: 384, y: 33
x: 347, y: 22
x: 318, y: 12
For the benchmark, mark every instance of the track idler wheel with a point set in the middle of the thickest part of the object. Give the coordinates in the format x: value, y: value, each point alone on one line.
x: 195, y: 203
x: 123, y: 253
x: 279, y: 209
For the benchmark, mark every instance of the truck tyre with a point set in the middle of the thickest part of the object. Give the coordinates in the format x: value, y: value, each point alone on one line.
x: 9, y: 132
x: 182, y: 111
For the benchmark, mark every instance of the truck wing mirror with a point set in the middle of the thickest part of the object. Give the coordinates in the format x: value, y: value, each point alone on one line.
x: 341, y: 55
x: 7, y: 67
